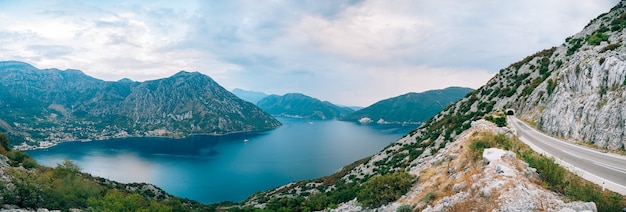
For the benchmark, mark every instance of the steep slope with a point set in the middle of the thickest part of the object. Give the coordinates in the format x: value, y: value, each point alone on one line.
x: 410, y: 107
x: 55, y: 105
x: 26, y: 186
x: 575, y: 90
x: 250, y: 96
x: 301, y: 106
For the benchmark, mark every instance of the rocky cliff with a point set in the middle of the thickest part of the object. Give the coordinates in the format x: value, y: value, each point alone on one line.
x: 587, y: 101
x: 575, y: 90
x: 301, y: 106
x: 55, y: 105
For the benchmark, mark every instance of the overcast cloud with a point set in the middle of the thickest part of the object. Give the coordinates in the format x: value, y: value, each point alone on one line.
x: 348, y: 52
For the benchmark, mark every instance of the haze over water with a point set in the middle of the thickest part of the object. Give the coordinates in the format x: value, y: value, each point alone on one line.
x: 214, y: 169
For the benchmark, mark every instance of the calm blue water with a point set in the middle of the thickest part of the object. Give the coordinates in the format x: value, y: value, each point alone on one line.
x: 213, y: 169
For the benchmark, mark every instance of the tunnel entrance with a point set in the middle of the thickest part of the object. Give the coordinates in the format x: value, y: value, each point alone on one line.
x: 510, y: 112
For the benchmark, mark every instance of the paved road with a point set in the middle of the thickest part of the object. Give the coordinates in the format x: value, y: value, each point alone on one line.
x: 602, y: 168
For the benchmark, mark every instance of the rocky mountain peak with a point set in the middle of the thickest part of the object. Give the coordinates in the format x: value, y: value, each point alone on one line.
x: 184, y: 73
x: 4, y: 65
x: 125, y: 80
x: 184, y: 104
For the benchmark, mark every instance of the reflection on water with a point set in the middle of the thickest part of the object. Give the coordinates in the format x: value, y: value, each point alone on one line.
x: 228, y: 168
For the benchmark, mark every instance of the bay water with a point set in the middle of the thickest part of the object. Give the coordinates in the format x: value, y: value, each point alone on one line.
x: 212, y: 169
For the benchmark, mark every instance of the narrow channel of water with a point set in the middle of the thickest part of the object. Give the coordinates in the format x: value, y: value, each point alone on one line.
x: 213, y: 169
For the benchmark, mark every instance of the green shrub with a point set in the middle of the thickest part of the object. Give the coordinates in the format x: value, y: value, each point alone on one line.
x: 404, y: 208
x: 477, y: 146
x: 610, y: 47
x: 382, y: 189
x: 4, y: 144
x: 20, y: 158
x: 596, y: 38
x: 430, y: 196
x: 576, y: 44
x: 500, y: 121
x: 551, y: 86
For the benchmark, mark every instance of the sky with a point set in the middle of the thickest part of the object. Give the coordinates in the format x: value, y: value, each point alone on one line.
x: 349, y: 52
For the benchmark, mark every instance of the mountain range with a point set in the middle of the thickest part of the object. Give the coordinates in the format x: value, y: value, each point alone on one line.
x: 57, y: 105
x: 301, y: 106
x: 250, y: 96
x: 408, y: 108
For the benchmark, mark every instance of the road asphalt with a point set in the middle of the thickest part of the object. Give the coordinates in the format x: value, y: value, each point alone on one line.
x: 605, y: 169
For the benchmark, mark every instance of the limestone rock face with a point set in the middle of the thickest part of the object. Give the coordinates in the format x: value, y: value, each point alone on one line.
x: 576, y: 90
x: 588, y: 101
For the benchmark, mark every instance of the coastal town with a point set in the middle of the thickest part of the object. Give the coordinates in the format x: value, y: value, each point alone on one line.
x: 82, y: 131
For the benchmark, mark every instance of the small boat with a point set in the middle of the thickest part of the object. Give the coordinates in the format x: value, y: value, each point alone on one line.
x: 245, y: 140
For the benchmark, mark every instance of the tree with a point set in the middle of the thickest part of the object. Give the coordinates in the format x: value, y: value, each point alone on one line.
x: 382, y: 189
x: 26, y: 190
x: 4, y: 143
x: 67, y: 167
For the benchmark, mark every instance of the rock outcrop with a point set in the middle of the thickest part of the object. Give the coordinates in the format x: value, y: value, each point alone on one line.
x: 498, y: 182
x: 576, y: 90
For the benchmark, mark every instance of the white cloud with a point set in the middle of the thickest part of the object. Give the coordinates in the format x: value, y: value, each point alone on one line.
x: 326, y: 49
x: 111, y: 42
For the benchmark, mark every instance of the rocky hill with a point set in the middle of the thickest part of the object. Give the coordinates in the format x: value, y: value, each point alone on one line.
x: 408, y: 108
x: 301, y: 106
x: 26, y: 186
x: 56, y: 105
x: 575, y: 91
x: 250, y: 96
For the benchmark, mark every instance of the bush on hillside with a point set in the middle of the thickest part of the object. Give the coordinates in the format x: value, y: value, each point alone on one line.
x: 382, y: 189
x: 4, y: 144
x: 597, y: 38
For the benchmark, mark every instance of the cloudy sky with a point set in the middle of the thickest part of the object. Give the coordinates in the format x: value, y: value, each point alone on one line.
x: 349, y: 52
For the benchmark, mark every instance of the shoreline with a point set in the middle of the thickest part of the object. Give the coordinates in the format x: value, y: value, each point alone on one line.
x: 47, y: 144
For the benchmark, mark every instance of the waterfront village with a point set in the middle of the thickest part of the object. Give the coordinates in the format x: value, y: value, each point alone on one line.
x: 43, y: 137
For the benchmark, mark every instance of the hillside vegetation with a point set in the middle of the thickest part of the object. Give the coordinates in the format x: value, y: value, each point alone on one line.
x: 410, y: 107
x: 301, y: 106
x: 25, y: 184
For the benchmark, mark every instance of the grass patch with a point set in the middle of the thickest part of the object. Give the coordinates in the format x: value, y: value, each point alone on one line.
x: 611, y: 47
x: 429, y: 197
x: 485, y: 140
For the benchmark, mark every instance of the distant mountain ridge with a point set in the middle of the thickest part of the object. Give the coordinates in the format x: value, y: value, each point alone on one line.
x: 57, y: 105
x: 408, y: 108
x: 301, y: 106
x: 250, y: 96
